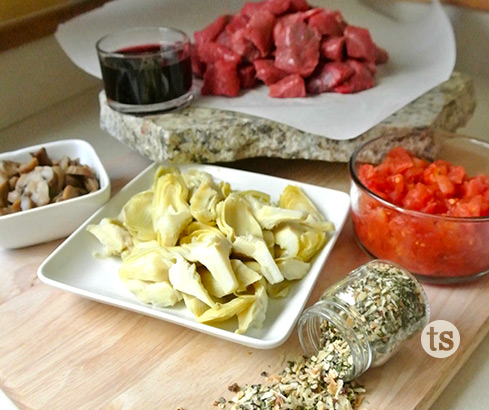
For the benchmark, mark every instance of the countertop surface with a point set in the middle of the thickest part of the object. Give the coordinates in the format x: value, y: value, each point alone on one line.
x: 70, y: 110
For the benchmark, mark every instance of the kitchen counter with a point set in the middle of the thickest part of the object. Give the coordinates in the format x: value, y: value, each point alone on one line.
x: 67, y: 107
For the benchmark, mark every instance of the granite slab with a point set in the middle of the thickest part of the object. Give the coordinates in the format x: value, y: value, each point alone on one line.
x: 196, y: 134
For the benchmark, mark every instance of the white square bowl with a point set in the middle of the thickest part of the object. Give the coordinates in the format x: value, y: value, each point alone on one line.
x: 74, y: 268
x: 58, y: 220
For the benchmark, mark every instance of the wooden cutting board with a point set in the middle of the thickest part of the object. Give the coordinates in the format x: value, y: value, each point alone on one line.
x: 60, y: 351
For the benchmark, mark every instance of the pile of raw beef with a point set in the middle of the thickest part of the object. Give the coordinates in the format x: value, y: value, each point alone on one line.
x: 288, y: 45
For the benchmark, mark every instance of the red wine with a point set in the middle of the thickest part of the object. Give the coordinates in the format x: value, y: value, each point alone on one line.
x: 144, y: 76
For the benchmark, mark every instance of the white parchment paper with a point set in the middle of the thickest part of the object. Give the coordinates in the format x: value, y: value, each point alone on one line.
x: 419, y: 40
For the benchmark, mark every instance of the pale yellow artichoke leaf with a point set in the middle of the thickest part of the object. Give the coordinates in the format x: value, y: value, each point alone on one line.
x: 148, y: 263
x: 244, y: 274
x: 287, y: 237
x: 159, y: 294
x: 136, y: 216
x: 184, y: 278
x: 294, y: 197
x: 270, y: 216
x: 204, y: 200
x: 114, y: 238
x: 235, y: 218
x: 170, y: 210
x: 213, y: 252
x: 311, y: 242
x: 223, y: 312
x: 269, y: 238
x: 279, y: 290
x: 225, y: 188
x: 255, y: 315
x: 212, y: 285
x: 256, y: 249
x: 293, y: 268
x: 198, y: 232
x: 196, y: 306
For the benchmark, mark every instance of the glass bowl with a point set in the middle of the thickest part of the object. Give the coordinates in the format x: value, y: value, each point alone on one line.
x: 436, y: 248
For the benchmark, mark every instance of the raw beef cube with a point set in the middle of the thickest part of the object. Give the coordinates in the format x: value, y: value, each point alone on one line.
x: 359, y: 44
x: 298, y: 5
x: 224, y: 39
x: 198, y: 67
x: 267, y: 72
x: 276, y: 7
x: 328, y: 23
x: 382, y: 56
x: 333, y: 48
x: 259, y: 31
x: 361, y: 80
x: 297, y: 45
x: 244, y: 47
x: 291, y: 86
x: 211, y: 32
x: 237, y: 21
x: 329, y: 76
x: 221, y: 78
x: 247, y: 78
x: 211, y: 52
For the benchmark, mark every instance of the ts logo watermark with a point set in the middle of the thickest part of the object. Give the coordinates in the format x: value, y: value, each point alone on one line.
x: 440, y: 339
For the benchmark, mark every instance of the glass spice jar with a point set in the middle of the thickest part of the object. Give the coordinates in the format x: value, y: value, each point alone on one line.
x: 367, y: 315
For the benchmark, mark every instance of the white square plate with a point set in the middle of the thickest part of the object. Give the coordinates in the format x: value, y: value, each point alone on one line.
x: 74, y: 268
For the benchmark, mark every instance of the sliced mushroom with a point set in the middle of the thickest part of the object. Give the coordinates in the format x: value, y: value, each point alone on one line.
x: 42, y: 157
x: 60, y: 174
x: 12, y: 182
x: 26, y: 203
x: 13, y: 196
x: 6, y: 211
x: 91, y: 184
x: 81, y: 170
x: 10, y: 168
x: 70, y: 192
x: 73, y: 180
x: 64, y: 163
x: 28, y: 166
x: 16, y: 205
x: 4, y: 190
x: 35, y: 185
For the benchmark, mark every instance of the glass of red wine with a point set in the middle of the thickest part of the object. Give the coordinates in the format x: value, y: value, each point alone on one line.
x: 146, y: 70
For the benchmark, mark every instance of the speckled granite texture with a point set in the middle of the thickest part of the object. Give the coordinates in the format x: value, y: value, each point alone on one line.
x: 208, y: 135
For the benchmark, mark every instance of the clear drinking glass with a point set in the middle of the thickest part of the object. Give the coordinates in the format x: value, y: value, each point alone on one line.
x: 146, y: 70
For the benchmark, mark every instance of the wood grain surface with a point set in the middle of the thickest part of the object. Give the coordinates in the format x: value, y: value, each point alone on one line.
x: 59, y: 351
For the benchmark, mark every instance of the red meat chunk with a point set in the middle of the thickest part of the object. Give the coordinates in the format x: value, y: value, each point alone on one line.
x: 298, y: 5
x: 328, y: 23
x: 297, y: 45
x: 237, y: 22
x: 362, y: 79
x: 359, y: 44
x: 224, y: 39
x: 247, y: 76
x: 244, y: 47
x: 267, y: 72
x: 210, y: 53
x: 333, y: 48
x: 329, y: 76
x: 292, y: 86
x: 259, y: 31
x: 276, y: 7
x: 211, y: 32
x: 221, y: 78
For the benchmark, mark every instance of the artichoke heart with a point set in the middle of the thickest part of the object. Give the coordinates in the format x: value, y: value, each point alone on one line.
x: 271, y: 216
x: 255, y: 315
x: 184, y: 278
x: 136, y: 216
x: 213, y: 251
x: 299, y: 240
x: 256, y: 249
x: 170, y: 210
x: 293, y: 268
x: 244, y: 274
x: 235, y: 218
x: 227, y: 310
x: 160, y: 294
x: 112, y: 235
x: 204, y: 200
x: 148, y: 262
x: 196, y: 306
